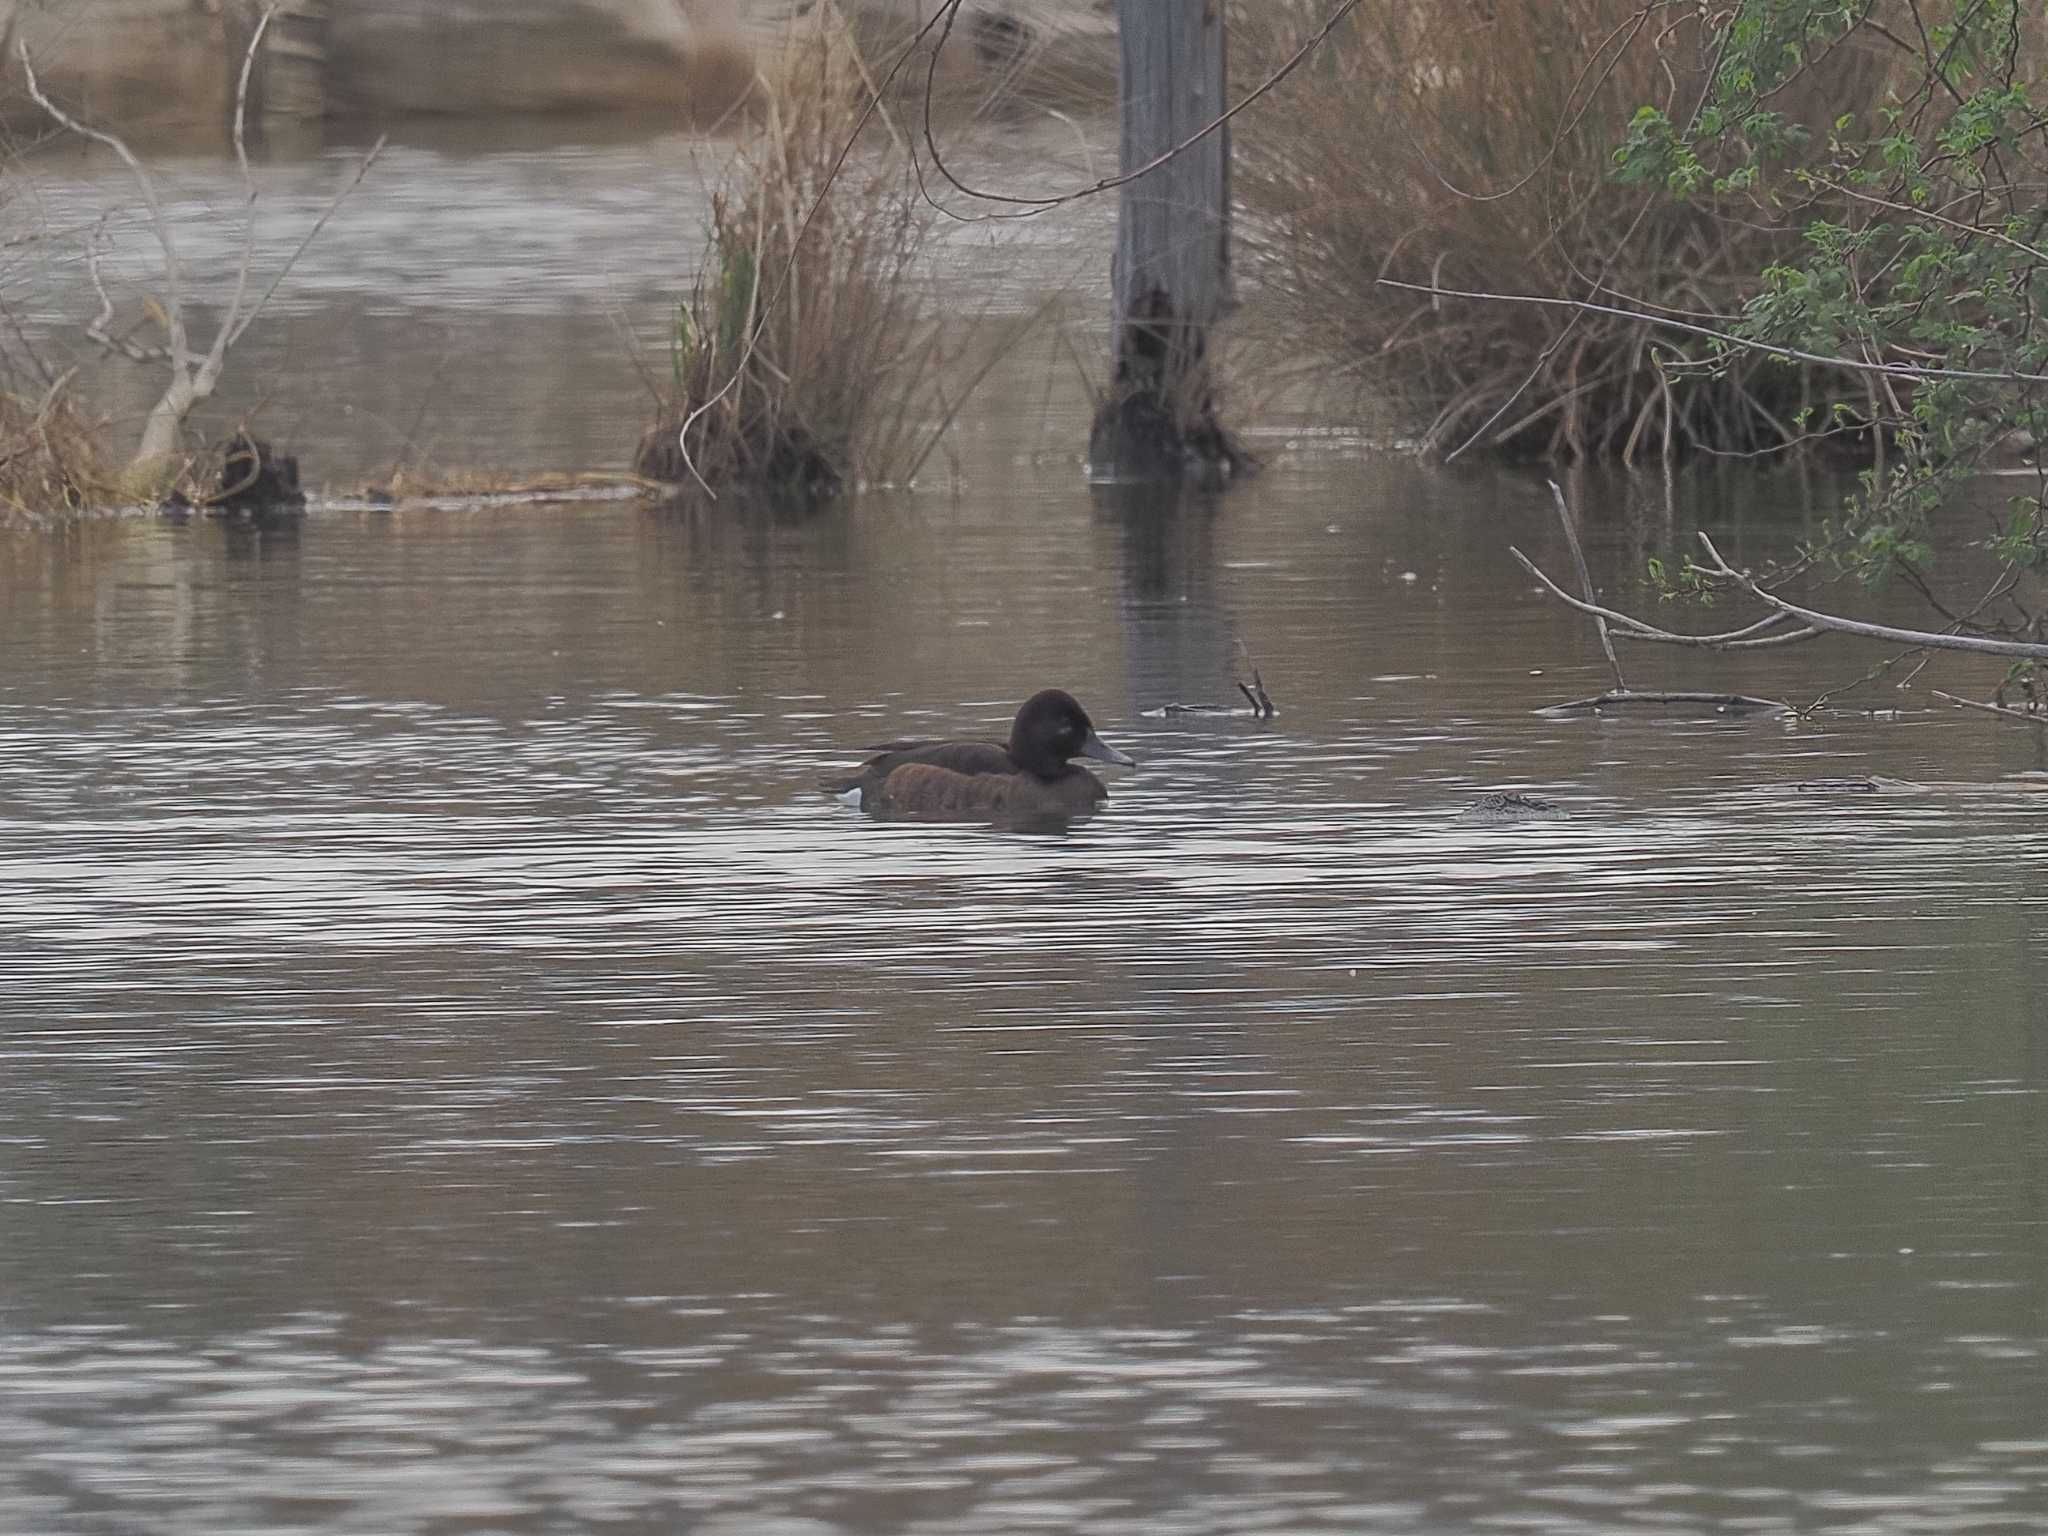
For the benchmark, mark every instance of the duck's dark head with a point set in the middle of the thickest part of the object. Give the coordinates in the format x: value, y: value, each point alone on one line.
x: 1051, y: 729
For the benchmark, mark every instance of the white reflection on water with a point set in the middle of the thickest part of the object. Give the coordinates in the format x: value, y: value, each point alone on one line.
x: 1033, y: 1182
x: 1240, y: 1424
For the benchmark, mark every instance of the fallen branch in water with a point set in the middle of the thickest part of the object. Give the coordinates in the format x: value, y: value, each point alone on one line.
x: 1628, y: 627
x: 1255, y: 690
x: 1571, y: 537
x: 1261, y: 702
x: 1978, y: 644
x: 1767, y: 631
x: 2030, y: 716
x: 1629, y: 698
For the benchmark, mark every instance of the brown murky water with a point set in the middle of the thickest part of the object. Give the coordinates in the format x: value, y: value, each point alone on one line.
x: 457, y: 1075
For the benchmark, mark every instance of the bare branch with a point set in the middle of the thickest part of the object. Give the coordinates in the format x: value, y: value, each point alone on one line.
x: 224, y: 337
x: 1613, y: 256
x: 174, y: 315
x: 96, y: 328
x: 1629, y: 627
x: 334, y: 203
x: 1975, y: 230
x: 1720, y: 703
x: 1915, y: 637
x: 950, y: 11
x: 192, y: 377
x: 1855, y: 365
x: 1571, y: 534
x: 1882, y: 669
x: 2030, y: 717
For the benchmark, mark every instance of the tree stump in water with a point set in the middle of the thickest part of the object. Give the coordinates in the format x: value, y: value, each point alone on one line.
x: 256, y: 480
x: 1172, y: 274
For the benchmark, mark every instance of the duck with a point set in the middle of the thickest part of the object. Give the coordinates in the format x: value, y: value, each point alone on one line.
x: 1033, y: 778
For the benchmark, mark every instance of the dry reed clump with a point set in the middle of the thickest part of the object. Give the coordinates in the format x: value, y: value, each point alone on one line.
x: 1471, y: 147
x: 51, y: 463
x: 805, y: 357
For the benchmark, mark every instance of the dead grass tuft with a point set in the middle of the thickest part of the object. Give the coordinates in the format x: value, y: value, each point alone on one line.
x: 1469, y: 145
x: 807, y: 357
x: 51, y: 460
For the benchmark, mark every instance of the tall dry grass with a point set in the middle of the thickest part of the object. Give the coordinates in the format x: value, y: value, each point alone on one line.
x: 809, y: 355
x: 52, y: 459
x: 1469, y: 145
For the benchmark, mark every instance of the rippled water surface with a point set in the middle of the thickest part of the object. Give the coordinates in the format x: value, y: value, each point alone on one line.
x: 458, y: 1074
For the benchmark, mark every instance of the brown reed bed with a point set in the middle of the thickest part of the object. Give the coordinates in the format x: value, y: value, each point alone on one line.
x: 1472, y: 147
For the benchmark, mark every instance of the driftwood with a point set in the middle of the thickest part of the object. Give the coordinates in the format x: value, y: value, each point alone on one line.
x: 1811, y: 622
x: 1261, y: 706
x: 1621, y: 696
x: 1254, y: 691
x: 2029, y: 783
x: 1680, y: 702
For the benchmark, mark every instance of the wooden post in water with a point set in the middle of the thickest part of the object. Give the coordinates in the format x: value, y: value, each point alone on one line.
x: 1172, y: 273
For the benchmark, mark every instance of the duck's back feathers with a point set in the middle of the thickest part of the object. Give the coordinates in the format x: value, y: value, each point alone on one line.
x: 932, y: 792
x: 970, y: 757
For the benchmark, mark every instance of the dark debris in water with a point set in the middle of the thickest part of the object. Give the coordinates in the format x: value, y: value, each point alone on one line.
x: 1261, y: 702
x: 1843, y: 786
x: 254, y: 481
x: 1505, y: 807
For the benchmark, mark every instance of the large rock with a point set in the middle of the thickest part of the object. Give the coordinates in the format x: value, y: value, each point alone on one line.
x: 473, y: 56
x: 121, y: 63
x: 125, y: 64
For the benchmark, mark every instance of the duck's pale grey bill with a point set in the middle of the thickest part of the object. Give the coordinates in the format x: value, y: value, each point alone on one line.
x: 1102, y: 751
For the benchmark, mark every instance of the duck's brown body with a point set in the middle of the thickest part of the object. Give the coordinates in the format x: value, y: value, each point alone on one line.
x: 1031, y: 779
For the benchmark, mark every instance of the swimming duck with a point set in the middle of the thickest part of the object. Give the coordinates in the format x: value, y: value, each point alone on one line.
x: 1031, y: 779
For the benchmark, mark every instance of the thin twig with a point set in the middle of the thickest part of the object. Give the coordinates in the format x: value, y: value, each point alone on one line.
x: 1629, y: 627
x: 1632, y: 25
x: 1571, y: 535
x: 340, y: 197
x: 1855, y: 365
x: 50, y: 395
x: 2031, y: 717
x: 1255, y: 691
x: 1740, y: 703
x: 1036, y: 205
x: 174, y: 316
x: 217, y: 353
x: 1607, y: 267
x: 193, y: 378
x: 1914, y: 637
x: 1882, y: 669
x: 1984, y: 231
x: 96, y: 328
